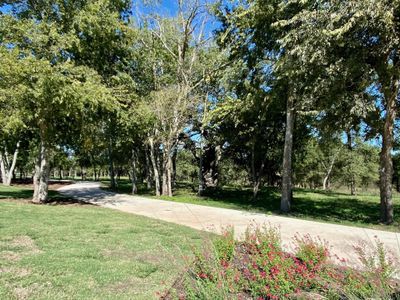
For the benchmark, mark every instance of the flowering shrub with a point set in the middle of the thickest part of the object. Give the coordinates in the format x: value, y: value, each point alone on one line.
x: 374, y: 281
x: 258, y: 268
x: 313, y: 253
x: 225, y: 246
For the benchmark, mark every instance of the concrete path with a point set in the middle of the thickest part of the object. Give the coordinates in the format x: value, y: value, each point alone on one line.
x: 340, y: 238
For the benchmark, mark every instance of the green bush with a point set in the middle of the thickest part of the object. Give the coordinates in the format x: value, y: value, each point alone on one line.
x: 258, y: 268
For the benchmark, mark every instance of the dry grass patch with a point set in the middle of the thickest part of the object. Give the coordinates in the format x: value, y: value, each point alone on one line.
x: 10, y: 256
x: 25, y: 242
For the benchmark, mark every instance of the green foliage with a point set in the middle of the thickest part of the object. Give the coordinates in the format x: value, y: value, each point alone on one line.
x: 225, y: 246
x: 342, y: 166
x: 262, y: 269
x: 313, y: 253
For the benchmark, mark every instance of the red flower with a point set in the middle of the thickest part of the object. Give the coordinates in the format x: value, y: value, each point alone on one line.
x: 202, y: 275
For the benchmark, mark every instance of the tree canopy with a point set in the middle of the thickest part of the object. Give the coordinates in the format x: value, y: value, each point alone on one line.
x: 253, y: 93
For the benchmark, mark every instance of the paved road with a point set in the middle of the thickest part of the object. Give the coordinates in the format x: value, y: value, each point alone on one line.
x: 341, y: 238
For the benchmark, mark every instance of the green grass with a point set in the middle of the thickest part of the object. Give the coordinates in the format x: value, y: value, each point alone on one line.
x: 362, y: 210
x: 17, y: 192
x: 85, y: 252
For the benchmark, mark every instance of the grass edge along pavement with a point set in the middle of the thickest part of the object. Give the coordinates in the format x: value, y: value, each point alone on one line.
x: 361, y: 210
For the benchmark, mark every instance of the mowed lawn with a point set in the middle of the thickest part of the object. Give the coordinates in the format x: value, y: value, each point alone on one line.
x: 86, y: 252
x: 362, y: 210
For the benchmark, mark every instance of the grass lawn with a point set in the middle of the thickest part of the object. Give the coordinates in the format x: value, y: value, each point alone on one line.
x: 362, y: 210
x: 85, y: 252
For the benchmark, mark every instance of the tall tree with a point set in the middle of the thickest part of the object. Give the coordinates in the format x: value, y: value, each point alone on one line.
x: 250, y: 34
x: 180, y: 66
x: 56, y: 91
x: 360, y: 40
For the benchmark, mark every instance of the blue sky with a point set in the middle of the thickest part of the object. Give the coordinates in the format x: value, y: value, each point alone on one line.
x: 167, y: 8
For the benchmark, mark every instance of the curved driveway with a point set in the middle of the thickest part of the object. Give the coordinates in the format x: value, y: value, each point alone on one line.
x: 341, y: 238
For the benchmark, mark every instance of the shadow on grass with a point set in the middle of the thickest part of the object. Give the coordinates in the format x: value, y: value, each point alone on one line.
x: 339, y: 209
x: 329, y: 206
x: 18, y: 193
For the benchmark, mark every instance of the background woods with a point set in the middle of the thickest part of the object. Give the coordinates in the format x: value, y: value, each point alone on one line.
x: 254, y: 96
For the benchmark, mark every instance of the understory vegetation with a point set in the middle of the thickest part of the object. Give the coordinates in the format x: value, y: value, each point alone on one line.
x: 259, y: 268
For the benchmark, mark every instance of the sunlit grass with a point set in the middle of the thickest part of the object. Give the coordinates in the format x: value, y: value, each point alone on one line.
x: 86, y: 252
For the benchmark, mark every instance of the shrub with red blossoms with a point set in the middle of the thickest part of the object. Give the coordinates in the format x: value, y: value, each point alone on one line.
x: 259, y: 268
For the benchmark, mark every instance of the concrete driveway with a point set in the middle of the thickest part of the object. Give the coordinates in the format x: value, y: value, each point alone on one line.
x: 340, y: 238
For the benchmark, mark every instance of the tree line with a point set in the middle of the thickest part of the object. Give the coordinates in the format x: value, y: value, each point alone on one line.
x: 282, y: 93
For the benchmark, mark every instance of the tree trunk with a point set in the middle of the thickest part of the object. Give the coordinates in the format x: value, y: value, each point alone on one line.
x: 169, y: 175
x: 352, y: 179
x: 111, y: 167
x: 173, y: 163
x: 255, y: 179
x: 325, y: 183
x: 148, y: 172
x: 7, y: 169
x: 256, y: 187
x: 353, y: 188
x: 42, y: 173
x: 36, y: 177
x: 3, y: 169
x: 167, y: 171
x: 202, y: 185
x: 386, y: 163
x: 133, y: 172
x: 155, y: 167
x: 286, y: 199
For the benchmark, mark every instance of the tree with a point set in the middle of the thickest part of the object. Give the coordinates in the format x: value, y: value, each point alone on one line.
x: 360, y: 41
x: 12, y: 114
x: 57, y: 91
x: 178, y: 48
x: 250, y: 34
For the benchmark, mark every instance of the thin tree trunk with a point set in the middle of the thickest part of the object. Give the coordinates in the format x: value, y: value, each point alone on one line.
x: 254, y: 178
x: 386, y: 163
x: 133, y: 173
x: 2, y: 169
x: 169, y: 174
x: 148, y: 172
x: 202, y: 186
x: 165, y: 171
x: 253, y: 166
x: 173, y: 162
x: 7, y: 170
x: 353, y: 188
x: 36, y: 177
x: 218, y: 156
x: 111, y: 167
x: 325, y: 183
x: 256, y: 187
x: 155, y: 167
x: 286, y: 199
